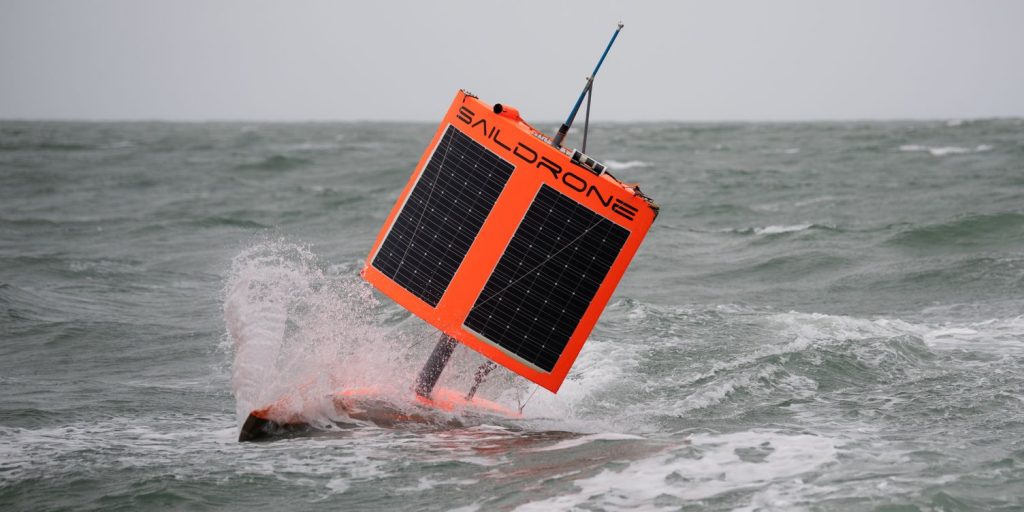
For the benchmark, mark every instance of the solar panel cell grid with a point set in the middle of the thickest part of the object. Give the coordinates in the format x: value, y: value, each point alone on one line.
x: 546, y: 278
x: 442, y: 216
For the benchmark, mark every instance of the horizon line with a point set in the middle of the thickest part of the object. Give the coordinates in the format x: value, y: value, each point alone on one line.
x: 1011, y: 117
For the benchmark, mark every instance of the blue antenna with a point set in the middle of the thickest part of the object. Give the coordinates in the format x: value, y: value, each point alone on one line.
x: 560, y: 136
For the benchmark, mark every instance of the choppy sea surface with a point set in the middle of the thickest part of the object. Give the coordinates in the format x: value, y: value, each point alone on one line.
x: 825, y: 316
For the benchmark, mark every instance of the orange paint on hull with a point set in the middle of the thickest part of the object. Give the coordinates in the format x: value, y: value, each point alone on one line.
x: 369, y: 405
x: 534, y: 159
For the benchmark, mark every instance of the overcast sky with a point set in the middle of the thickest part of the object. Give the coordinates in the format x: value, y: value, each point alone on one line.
x: 380, y: 60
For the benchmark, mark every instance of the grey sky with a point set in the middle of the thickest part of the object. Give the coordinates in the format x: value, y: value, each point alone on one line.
x: 333, y: 60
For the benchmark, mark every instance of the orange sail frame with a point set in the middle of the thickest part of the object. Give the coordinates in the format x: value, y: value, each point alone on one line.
x: 536, y: 163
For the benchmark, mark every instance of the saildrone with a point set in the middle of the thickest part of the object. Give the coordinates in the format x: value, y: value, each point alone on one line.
x: 507, y: 242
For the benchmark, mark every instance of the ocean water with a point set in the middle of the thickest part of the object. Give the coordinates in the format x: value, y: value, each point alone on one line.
x: 825, y: 316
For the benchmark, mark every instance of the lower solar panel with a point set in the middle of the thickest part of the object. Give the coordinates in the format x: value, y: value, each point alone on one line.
x: 546, y: 278
x: 442, y: 216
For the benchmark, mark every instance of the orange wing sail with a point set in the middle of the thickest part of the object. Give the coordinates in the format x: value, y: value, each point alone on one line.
x: 509, y: 245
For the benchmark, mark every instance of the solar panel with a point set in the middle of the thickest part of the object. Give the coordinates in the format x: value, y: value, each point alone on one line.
x: 442, y: 216
x: 546, y: 279
x: 506, y: 243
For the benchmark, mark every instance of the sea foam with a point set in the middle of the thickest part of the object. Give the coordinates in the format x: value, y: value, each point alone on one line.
x: 945, y: 150
x: 616, y: 165
x: 704, y: 466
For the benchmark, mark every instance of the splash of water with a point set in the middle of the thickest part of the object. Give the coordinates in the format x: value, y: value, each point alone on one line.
x: 298, y: 333
x: 294, y: 327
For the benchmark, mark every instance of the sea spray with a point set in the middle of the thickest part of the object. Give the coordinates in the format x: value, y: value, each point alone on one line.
x: 298, y: 333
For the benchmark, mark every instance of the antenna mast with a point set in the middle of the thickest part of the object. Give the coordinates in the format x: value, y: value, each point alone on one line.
x: 560, y: 136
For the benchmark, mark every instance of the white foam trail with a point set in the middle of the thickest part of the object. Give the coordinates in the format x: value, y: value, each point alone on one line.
x: 777, y: 229
x: 121, y: 144
x: 707, y: 466
x: 999, y: 337
x: 616, y: 165
x: 813, y: 200
x: 995, y: 336
x: 945, y: 150
x: 311, y: 146
x: 580, y: 441
x: 601, y: 365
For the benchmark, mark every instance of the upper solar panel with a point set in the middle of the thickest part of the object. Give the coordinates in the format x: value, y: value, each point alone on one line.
x: 442, y: 216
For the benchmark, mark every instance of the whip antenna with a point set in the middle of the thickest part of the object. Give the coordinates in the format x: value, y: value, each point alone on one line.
x: 560, y: 136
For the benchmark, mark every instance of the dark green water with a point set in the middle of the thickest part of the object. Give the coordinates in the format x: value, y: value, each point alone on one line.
x: 825, y: 316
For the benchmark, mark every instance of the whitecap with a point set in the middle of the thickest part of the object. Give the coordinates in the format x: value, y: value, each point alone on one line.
x: 311, y: 146
x: 949, y: 150
x: 427, y: 483
x: 815, y: 200
x: 616, y: 165
x: 944, y: 150
x: 580, y: 441
x: 716, y: 393
x: 995, y: 336
x: 602, y: 365
x: 338, y: 485
x: 777, y: 229
x: 722, y: 464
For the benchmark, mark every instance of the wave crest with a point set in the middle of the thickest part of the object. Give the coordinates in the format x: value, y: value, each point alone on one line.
x: 944, y: 150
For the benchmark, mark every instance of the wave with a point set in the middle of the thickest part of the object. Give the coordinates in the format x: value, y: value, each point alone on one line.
x: 945, y: 150
x: 47, y: 146
x: 775, y: 230
x: 223, y: 221
x: 702, y: 467
x: 988, y: 230
x: 1000, y: 337
x: 580, y: 441
x: 118, y: 145
x: 814, y: 200
x: 797, y: 357
x: 616, y: 165
x: 312, y: 146
x: 275, y: 163
x: 778, y: 229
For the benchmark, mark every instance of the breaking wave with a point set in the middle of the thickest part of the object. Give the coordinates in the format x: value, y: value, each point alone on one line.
x: 945, y: 150
x: 778, y: 229
x: 794, y: 357
x: 705, y: 466
x: 616, y: 165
